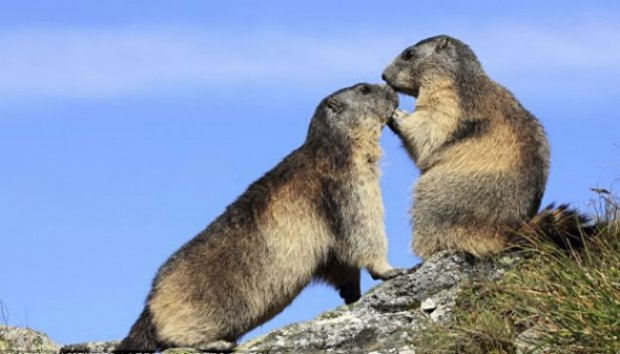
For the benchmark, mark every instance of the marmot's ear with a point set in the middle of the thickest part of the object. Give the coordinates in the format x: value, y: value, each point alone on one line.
x: 335, y: 105
x: 442, y: 43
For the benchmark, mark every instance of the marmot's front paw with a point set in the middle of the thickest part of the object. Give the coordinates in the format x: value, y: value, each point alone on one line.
x: 392, y: 273
x: 396, y: 118
x: 220, y: 346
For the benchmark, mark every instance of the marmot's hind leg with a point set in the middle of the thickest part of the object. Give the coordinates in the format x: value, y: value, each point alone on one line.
x: 350, y: 292
x: 478, y: 242
x: 481, y: 242
x: 345, y: 279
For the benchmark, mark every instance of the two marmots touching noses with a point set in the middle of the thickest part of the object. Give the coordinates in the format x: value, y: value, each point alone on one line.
x: 318, y: 215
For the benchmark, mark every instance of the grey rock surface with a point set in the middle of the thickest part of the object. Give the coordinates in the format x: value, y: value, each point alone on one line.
x: 383, y: 321
x: 22, y: 340
x: 386, y: 317
x: 525, y: 343
x: 90, y: 347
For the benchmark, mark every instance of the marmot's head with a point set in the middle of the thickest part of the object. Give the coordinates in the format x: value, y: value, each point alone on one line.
x: 354, y: 111
x: 430, y: 60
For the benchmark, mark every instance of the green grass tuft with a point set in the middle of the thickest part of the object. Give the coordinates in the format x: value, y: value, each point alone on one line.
x: 570, y: 300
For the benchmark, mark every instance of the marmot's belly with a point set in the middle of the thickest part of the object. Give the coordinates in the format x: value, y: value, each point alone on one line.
x: 475, y: 199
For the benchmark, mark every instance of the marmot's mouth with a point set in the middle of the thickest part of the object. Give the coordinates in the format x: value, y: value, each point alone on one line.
x: 414, y: 93
x: 389, y: 115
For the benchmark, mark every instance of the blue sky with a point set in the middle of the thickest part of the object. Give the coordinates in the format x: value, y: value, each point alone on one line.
x: 127, y: 126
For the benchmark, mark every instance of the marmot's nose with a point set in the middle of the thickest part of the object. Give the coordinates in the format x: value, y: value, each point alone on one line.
x: 383, y: 77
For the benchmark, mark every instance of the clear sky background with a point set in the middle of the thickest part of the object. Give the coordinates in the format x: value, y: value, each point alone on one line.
x: 127, y: 126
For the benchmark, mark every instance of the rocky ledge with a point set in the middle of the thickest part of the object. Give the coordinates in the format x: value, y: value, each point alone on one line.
x: 384, y: 320
x: 387, y: 316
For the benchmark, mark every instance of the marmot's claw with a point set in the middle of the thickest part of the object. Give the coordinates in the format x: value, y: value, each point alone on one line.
x: 399, y: 114
x: 397, y: 272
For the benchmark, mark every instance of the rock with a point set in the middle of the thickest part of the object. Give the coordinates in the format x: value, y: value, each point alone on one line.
x: 89, y: 347
x: 20, y: 340
x: 428, y: 305
x: 525, y: 342
x: 181, y: 351
x: 386, y: 317
x: 443, y: 303
x: 383, y: 321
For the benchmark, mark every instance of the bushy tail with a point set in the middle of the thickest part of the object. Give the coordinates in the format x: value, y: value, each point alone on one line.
x: 142, y: 337
x: 561, y: 226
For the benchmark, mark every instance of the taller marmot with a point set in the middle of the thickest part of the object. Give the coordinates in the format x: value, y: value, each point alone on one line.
x: 317, y: 215
x: 483, y: 157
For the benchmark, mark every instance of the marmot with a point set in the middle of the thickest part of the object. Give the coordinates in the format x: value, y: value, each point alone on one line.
x: 483, y: 158
x: 318, y: 215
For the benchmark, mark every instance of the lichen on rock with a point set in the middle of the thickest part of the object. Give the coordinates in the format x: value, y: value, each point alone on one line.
x: 385, y: 319
x: 21, y: 340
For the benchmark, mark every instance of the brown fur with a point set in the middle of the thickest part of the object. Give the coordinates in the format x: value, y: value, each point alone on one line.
x: 483, y: 157
x: 562, y: 227
x: 317, y: 215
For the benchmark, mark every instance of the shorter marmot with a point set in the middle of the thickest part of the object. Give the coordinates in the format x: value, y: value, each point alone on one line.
x: 317, y: 215
x: 483, y: 157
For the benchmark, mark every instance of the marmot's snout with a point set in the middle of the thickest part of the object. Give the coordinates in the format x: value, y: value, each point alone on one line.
x: 393, y: 76
x: 390, y: 73
x: 383, y: 98
x: 387, y: 76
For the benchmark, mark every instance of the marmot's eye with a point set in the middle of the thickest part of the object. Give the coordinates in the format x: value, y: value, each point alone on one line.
x: 365, y: 89
x: 407, y: 54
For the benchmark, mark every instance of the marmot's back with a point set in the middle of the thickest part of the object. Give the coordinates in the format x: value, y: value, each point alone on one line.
x: 317, y: 215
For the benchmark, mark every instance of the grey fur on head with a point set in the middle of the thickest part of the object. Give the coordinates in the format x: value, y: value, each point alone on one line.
x: 420, y: 63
